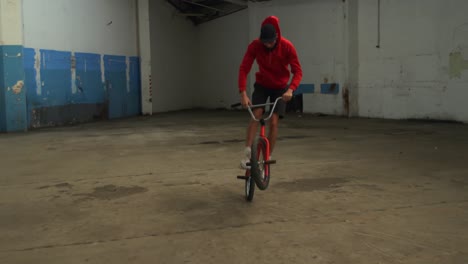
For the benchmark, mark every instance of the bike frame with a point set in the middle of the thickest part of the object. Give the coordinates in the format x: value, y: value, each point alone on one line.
x: 262, y: 183
x: 263, y: 122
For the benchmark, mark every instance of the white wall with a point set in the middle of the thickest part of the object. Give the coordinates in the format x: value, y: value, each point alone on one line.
x: 222, y: 44
x: 315, y: 28
x: 409, y: 76
x: 102, y: 27
x: 10, y: 23
x: 174, y: 44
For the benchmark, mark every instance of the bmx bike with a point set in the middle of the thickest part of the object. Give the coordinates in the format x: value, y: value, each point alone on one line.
x: 259, y: 173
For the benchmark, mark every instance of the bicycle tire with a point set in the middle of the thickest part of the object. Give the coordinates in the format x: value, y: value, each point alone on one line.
x: 249, y: 186
x: 260, y: 171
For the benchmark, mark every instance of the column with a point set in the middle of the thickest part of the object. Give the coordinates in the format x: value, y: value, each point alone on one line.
x: 13, y: 115
x: 145, y: 57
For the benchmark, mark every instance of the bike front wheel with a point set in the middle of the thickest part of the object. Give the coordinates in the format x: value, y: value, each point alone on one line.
x: 249, y: 186
x: 260, y: 170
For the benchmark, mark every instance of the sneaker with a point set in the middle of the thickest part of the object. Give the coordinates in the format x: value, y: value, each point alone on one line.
x: 246, y: 159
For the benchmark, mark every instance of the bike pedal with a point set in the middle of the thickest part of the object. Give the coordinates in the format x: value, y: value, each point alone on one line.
x: 242, y: 177
x: 270, y: 162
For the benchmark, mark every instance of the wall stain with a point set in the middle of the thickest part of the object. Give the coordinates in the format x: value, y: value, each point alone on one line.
x: 457, y: 64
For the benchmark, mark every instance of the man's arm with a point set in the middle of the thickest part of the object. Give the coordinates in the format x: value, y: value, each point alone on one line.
x: 295, y: 68
x: 296, y: 71
x: 245, y: 67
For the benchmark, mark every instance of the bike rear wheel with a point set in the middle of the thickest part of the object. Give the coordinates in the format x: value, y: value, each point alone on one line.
x: 260, y: 170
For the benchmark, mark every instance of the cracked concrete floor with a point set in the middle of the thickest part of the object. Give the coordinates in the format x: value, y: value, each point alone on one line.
x: 163, y: 189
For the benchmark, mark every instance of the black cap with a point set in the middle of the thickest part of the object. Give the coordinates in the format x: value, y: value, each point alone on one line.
x: 268, y: 33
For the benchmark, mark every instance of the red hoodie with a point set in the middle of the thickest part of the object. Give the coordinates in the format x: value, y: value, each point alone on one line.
x: 273, y: 64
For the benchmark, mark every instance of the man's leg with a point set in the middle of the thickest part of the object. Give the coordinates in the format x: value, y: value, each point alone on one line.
x: 279, y: 112
x: 251, y: 131
x: 253, y: 126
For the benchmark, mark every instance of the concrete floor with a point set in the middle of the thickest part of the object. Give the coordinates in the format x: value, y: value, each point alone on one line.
x: 163, y: 189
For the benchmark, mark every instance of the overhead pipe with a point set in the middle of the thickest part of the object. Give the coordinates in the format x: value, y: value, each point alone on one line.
x: 237, y: 2
x: 202, y: 5
x: 378, y: 24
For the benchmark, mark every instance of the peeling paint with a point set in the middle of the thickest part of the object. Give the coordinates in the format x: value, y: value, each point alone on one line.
x: 103, y: 70
x: 18, y: 87
x: 73, y: 73
x: 127, y: 61
x: 43, y: 61
x: 37, y: 67
x: 13, y: 56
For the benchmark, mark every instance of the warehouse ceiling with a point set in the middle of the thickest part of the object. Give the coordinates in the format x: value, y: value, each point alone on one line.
x: 200, y: 11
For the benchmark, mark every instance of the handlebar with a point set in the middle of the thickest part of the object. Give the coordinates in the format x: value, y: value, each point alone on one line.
x: 249, y: 107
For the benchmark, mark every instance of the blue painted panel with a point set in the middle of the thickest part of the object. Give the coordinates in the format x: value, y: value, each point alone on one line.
x: 13, y: 89
x: 2, y: 94
x: 55, y: 77
x: 30, y: 83
x: 134, y: 97
x: 329, y: 88
x: 305, y: 88
x: 115, y: 63
x: 88, y: 82
x: 116, y: 84
x: 57, y: 101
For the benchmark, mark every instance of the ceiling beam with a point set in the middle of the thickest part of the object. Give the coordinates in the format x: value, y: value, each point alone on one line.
x: 205, y: 6
x: 191, y: 14
x: 237, y: 2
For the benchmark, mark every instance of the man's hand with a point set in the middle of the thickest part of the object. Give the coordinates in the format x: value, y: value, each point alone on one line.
x: 245, y: 101
x: 288, y: 95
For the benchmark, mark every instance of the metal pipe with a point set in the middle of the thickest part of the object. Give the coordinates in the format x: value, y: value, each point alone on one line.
x: 205, y: 6
x: 378, y: 24
x: 237, y: 2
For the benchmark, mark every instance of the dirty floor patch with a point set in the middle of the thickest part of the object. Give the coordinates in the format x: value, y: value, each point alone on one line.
x: 309, y: 185
x: 110, y: 192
